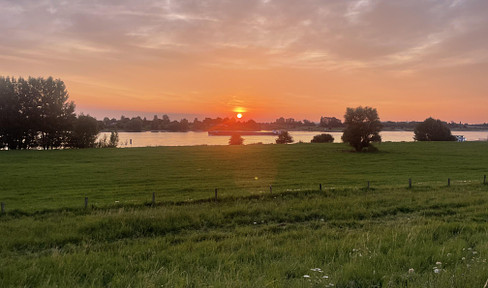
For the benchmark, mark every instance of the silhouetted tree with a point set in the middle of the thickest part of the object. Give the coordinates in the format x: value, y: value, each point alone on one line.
x: 85, y: 132
x: 236, y: 139
x: 322, y: 138
x: 184, y: 125
x: 57, y: 113
x: 34, y: 112
x: 362, y: 127
x: 134, y: 125
x: 284, y: 138
x: 433, y: 130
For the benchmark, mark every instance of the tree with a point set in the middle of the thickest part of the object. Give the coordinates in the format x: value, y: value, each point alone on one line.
x: 236, y: 139
x: 34, y: 112
x: 322, y: 138
x: 284, y: 137
x: 134, y: 125
x: 85, y: 132
x: 57, y: 113
x: 433, y: 130
x: 362, y: 127
x: 114, y: 139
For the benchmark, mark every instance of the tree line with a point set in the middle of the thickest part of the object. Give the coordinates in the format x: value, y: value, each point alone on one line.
x: 36, y: 113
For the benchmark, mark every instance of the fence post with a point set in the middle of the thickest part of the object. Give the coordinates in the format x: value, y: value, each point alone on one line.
x: 270, y: 189
x: 3, y: 208
x: 484, y: 180
x: 448, y: 182
x: 320, y: 187
x: 154, y: 199
x: 86, y: 202
x: 368, y: 185
x: 215, y: 194
x: 409, y: 182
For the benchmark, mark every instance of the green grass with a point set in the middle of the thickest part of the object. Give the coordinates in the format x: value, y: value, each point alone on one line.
x: 249, y: 238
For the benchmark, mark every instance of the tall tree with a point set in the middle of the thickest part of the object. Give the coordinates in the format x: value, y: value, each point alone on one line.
x: 57, y: 113
x: 34, y: 112
x: 362, y: 127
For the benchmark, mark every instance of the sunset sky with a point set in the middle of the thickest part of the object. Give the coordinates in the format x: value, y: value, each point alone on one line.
x: 267, y: 58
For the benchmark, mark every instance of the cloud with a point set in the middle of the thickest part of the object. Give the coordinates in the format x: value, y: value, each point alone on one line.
x: 367, y: 33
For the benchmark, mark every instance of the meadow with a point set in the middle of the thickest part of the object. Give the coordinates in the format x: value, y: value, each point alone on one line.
x: 296, y: 235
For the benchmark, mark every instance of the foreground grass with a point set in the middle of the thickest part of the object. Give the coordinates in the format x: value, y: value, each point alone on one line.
x: 249, y: 238
x: 357, y: 238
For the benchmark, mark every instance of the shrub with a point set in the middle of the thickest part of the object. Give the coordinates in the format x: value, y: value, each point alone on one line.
x: 236, y: 139
x: 284, y: 138
x: 433, y: 130
x: 322, y: 138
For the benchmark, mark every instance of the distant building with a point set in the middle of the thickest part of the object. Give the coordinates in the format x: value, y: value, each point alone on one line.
x: 330, y: 122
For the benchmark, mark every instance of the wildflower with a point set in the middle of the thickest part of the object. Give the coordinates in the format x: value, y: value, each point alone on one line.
x: 306, y: 276
x: 325, y: 277
x: 255, y: 223
x: 464, y: 258
x: 474, y: 252
x: 438, y: 263
x: 437, y: 271
x: 411, y: 270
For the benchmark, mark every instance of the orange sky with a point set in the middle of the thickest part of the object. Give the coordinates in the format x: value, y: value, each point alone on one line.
x: 306, y: 59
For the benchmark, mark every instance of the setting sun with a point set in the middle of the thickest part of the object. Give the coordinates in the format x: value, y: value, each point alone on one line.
x: 239, y: 115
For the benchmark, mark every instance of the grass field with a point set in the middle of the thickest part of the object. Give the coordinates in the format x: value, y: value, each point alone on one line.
x: 387, y: 236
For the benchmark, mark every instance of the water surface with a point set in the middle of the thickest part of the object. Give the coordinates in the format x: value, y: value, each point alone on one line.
x: 144, y: 139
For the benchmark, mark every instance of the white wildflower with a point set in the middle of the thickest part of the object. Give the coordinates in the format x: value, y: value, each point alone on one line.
x: 437, y: 271
x: 306, y: 276
x: 438, y: 263
x: 411, y: 270
x: 325, y: 277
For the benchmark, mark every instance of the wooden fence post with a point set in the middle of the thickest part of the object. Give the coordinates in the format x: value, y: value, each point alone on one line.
x: 215, y: 194
x: 154, y: 199
x: 484, y: 180
x: 270, y: 189
x: 409, y: 182
x: 448, y: 182
x: 320, y: 187
x: 86, y: 202
x: 368, y: 185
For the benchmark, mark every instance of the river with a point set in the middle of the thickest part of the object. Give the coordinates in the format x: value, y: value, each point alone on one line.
x: 144, y: 139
